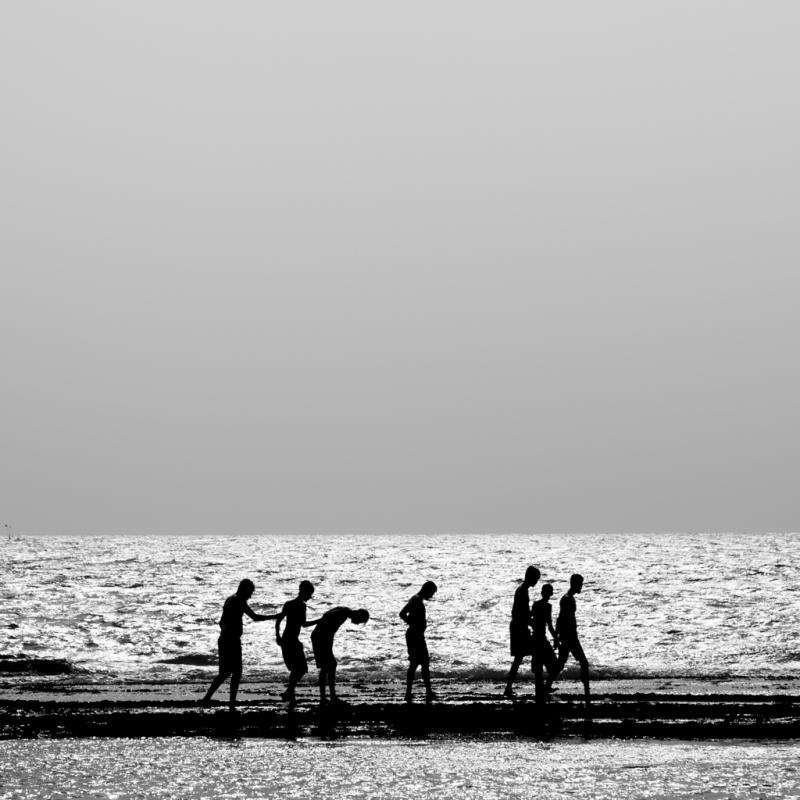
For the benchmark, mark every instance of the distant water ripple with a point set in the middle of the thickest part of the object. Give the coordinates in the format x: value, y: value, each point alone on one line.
x: 678, y: 605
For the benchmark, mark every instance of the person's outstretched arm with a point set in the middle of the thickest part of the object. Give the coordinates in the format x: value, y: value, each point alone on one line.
x: 305, y: 623
x: 258, y: 617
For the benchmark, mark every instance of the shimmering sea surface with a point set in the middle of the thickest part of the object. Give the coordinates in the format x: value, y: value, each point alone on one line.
x: 204, y: 768
x: 652, y: 605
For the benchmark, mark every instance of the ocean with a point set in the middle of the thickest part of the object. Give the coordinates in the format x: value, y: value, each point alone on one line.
x: 653, y: 606
x: 131, y: 610
x: 451, y: 769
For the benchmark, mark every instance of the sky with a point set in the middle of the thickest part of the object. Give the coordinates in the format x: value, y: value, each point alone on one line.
x: 428, y: 267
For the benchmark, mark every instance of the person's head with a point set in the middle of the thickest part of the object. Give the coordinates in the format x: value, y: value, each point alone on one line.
x: 576, y: 583
x: 246, y: 588
x: 306, y: 589
x: 547, y: 591
x: 531, y: 576
x: 360, y: 616
x: 428, y: 590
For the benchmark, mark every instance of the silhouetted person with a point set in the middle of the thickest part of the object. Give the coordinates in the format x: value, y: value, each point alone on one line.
x: 567, y: 633
x: 322, y: 644
x: 519, y: 629
x: 413, y: 614
x: 230, y: 639
x: 543, y: 655
x: 294, y: 656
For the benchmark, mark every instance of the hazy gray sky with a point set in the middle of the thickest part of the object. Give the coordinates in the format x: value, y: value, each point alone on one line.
x: 353, y: 267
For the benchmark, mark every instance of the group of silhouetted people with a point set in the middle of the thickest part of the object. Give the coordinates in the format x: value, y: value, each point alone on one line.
x: 529, y: 629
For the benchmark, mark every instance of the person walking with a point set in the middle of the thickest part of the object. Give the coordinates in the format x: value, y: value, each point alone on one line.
x: 413, y: 614
x: 567, y: 634
x: 294, y: 656
x: 230, y: 640
x: 519, y: 628
x: 543, y: 655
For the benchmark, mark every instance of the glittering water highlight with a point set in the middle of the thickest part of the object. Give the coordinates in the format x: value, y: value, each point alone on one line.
x: 486, y: 769
x: 653, y: 605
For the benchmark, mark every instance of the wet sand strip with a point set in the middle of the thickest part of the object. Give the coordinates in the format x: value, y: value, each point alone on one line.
x: 667, y: 716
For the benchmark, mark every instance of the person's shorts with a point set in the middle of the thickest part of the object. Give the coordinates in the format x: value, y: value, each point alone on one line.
x: 294, y: 656
x: 323, y: 653
x: 521, y: 640
x: 543, y: 656
x: 230, y: 653
x: 417, y: 647
x: 571, y: 645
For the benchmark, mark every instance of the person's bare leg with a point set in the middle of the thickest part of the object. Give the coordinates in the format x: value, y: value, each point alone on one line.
x: 294, y: 679
x: 332, y: 682
x: 426, y: 679
x: 412, y: 669
x: 236, y: 676
x: 538, y: 681
x: 550, y: 664
x: 322, y: 673
x: 552, y: 672
x: 512, y: 673
x: 585, y: 680
x: 580, y: 657
x: 561, y: 660
x: 215, y: 684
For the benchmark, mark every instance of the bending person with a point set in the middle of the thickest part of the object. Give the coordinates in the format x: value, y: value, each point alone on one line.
x: 413, y: 614
x: 230, y: 639
x: 322, y: 645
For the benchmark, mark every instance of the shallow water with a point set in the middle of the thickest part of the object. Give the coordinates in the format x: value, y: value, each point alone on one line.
x: 696, y: 605
x: 204, y: 768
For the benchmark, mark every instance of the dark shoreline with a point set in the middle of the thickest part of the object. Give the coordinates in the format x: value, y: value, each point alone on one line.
x: 45, y: 709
